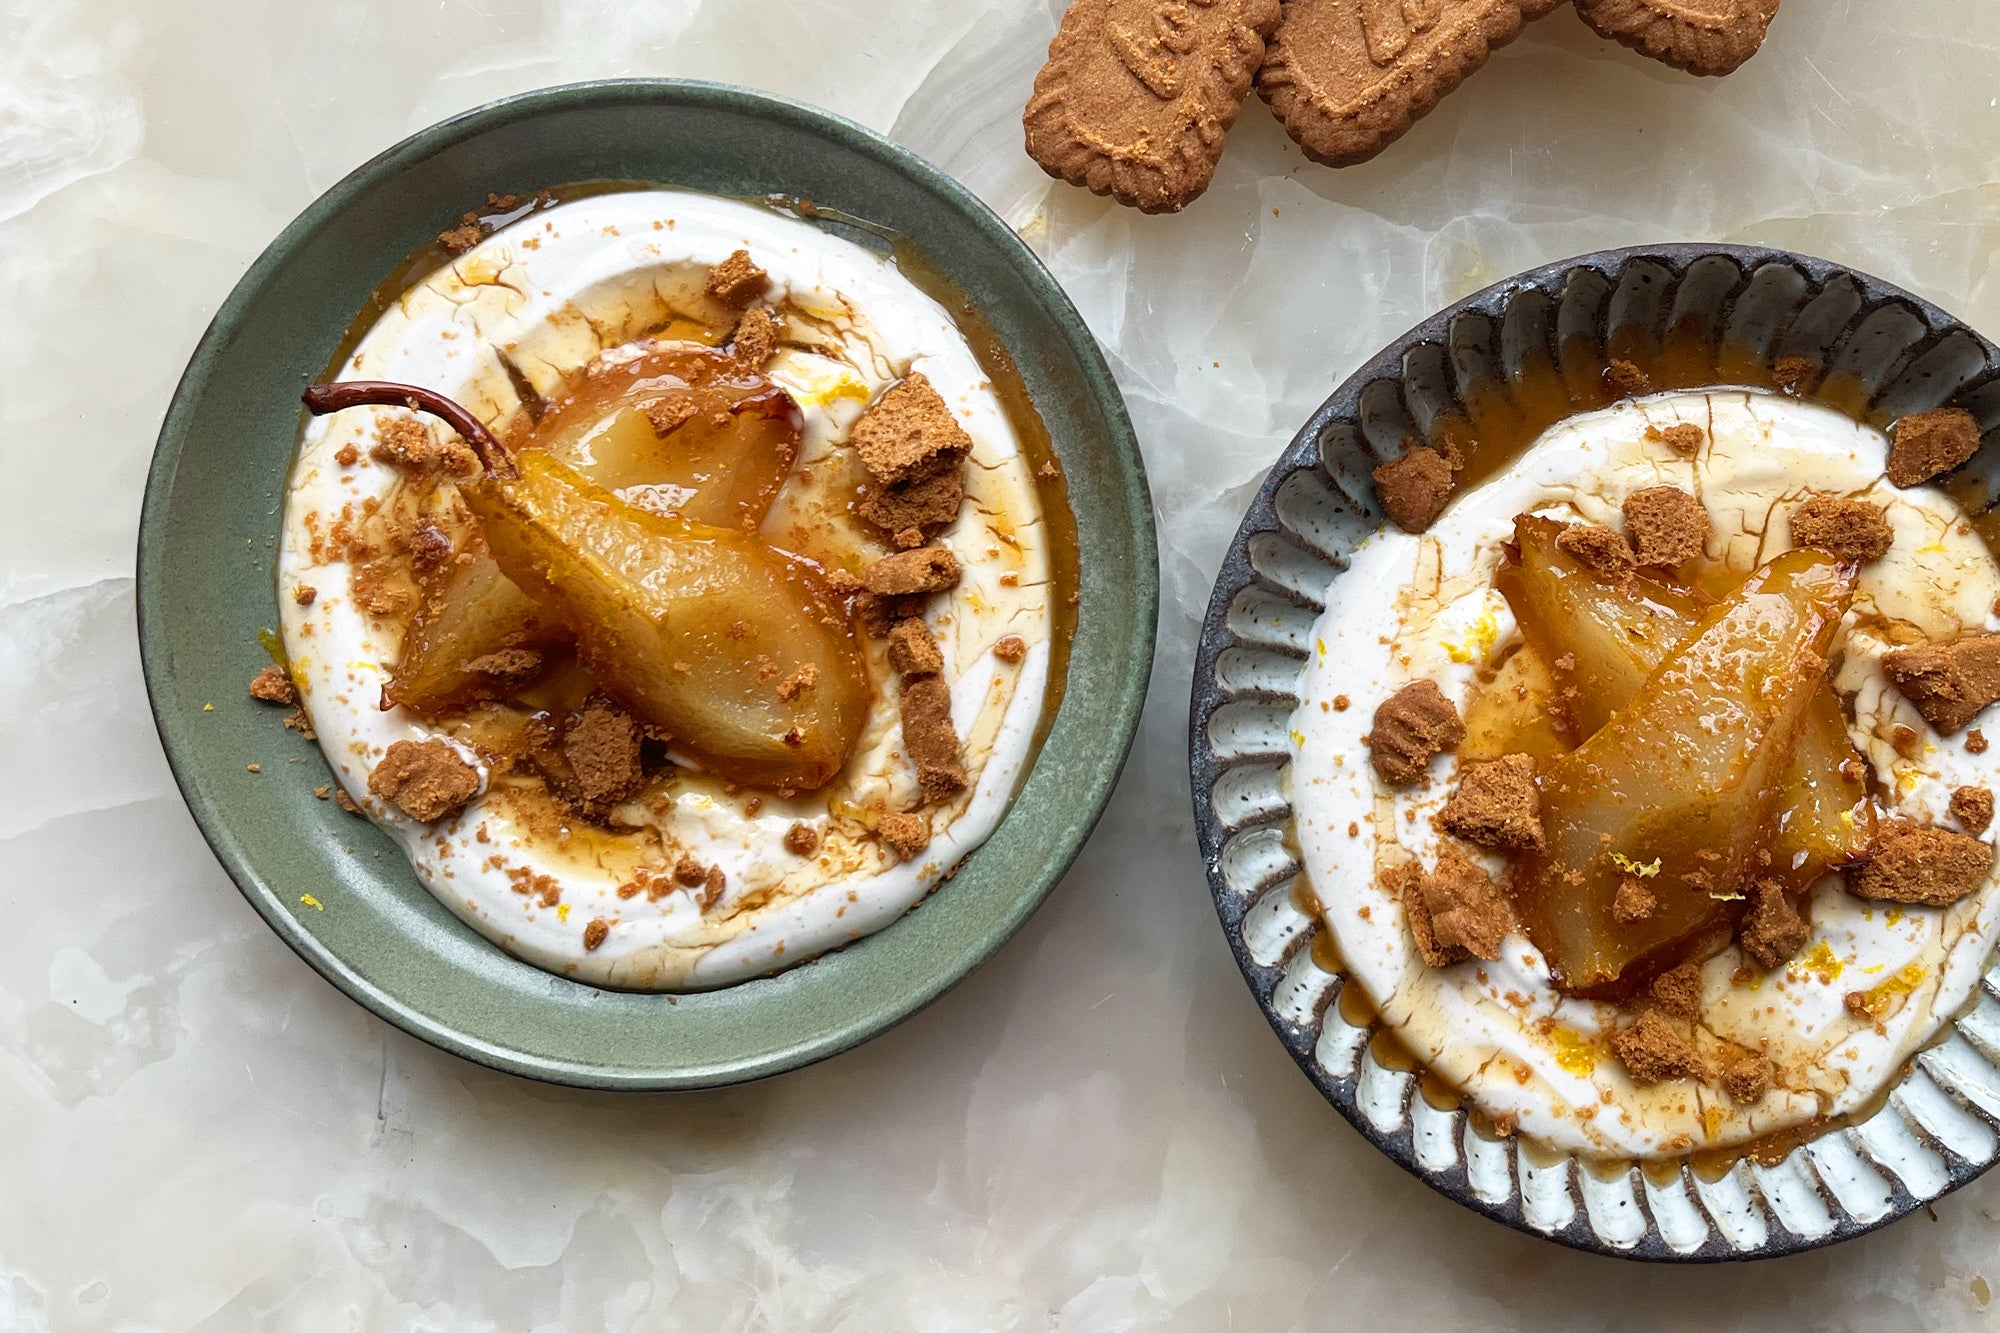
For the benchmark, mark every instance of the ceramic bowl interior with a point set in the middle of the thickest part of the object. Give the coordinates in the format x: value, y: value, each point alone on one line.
x: 208, y: 541
x: 1885, y: 352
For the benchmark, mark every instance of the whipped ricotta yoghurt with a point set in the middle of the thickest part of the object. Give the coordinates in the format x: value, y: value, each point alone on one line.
x: 532, y: 305
x: 1412, y: 607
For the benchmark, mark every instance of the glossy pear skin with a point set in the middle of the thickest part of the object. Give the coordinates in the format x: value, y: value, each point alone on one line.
x: 1617, y: 635
x: 1688, y: 775
x: 694, y: 628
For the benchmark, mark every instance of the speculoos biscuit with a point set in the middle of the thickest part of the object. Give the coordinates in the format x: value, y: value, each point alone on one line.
x: 1700, y: 36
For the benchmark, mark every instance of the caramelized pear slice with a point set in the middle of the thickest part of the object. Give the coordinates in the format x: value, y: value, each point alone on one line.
x: 467, y: 639
x: 1615, y: 635
x: 737, y: 652
x: 1682, y: 785
x: 730, y: 438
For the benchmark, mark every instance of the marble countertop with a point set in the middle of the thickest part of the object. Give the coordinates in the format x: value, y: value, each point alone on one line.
x: 1097, y: 1131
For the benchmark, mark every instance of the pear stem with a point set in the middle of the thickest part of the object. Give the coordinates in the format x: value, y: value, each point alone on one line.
x: 339, y: 395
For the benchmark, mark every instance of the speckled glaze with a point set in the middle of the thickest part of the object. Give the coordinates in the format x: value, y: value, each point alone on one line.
x: 205, y: 589
x: 1940, y: 1127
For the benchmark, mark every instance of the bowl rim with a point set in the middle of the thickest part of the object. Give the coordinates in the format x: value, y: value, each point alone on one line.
x: 1236, y: 574
x: 1093, y: 784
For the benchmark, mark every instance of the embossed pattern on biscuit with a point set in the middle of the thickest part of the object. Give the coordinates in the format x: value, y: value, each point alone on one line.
x: 1348, y: 77
x: 1699, y: 36
x: 1137, y: 94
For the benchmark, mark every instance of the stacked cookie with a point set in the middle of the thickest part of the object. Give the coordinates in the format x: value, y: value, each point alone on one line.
x: 1137, y: 95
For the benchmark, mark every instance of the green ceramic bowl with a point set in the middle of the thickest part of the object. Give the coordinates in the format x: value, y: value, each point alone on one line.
x: 209, y: 533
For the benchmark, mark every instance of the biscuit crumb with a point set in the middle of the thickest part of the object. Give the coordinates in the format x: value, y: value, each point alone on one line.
x: 737, y: 281
x: 1414, y: 487
x: 756, y: 338
x: 1924, y: 865
x: 932, y: 569
x: 1950, y: 683
x: 1412, y: 725
x: 1633, y: 902
x: 426, y: 780
x: 712, y: 885
x: 1598, y: 548
x: 407, y: 443
x: 507, y: 667
x: 1772, y: 932
x: 924, y: 505
x: 273, y: 686
x: 906, y: 835
x: 305, y: 594
x: 323, y: 791
x: 1455, y: 912
x: 1792, y: 373
x: 591, y: 759
x: 1677, y: 992
x: 594, y: 933
x: 1746, y: 1079
x: 1010, y: 648
x: 296, y: 720
x: 1850, y: 529
x: 688, y: 872
x: 346, y: 802
x: 909, y: 433
x: 801, y: 840
x: 1926, y: 444
x: 347, y: 455
x: 668, y: 414
x: 1975, y: 741
x: 1626, y: 380
x: 1666, y: 525
x: 1972, y: 807
x: 930, y: 739
x: 1496, y: 804
x: 912, y: 649
x: 805, y: 678
x: 1683, y: 437
x: 468, y: 233
x: 1653, y: 1050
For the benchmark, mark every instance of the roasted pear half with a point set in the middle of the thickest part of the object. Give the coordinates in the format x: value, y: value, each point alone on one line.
x: 1682, y: 786
x: 738, y: 654
x: 1613, y: 636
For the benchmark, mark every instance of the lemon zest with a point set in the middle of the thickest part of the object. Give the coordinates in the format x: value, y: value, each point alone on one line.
x: 312, y: 902
x: 1631, y: 867
x: 562, y: 911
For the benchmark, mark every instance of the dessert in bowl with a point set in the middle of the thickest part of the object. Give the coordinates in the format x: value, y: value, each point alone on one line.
x: 1588, y: 752
x: 674, y: 582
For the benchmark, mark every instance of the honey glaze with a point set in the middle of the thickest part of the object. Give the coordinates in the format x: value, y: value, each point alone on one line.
x: 813, y: 516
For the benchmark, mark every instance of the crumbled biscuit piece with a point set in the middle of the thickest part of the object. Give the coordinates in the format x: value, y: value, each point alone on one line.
x: 1926, y: 444
x: 509, y: 668
x: 712, y: 885
x: 688, y: 872
x: 1633, y: 901
x: 1626, y: 380
x: 468, y: 233
x: 802, y: 840
x: 756, y: 338
x: 296, y: 720
x: 932, y: 569
x: 1792, y: 373
x: 1011, y: 648
x: 1922, y: 864
x: 1850, y: 529
x: 930, y: 739
x: 427, y: 780
x: 801, y: 680
x: 305, y: 594
x: 1455, y: 911
x: 273, y: 686
x: 1598, y: 548
x: 909, y: 433
x: 1412, y: 725
x: 1746, y: 1079
x: 737, y: 281
x: 923, y: 505
x: 906, y: 835
x: 595, y: 933
x: 1677, y: 991
x: 1414, y: 487
x: 323, y: 791
x: 346, y: 802
x: 1772, y: 931
x: 1496, y: 804
x: 591, y: 759
x: 1975, y: 741
x: 409, y: 444
x: 1653, y: 1050
x: 670, y: 413
x: 1972, y: 807
x: 347, y: 455
x: 912, y: 649
x: 1950, y: 683
x: 429, y: 547
x: 1665, y: 524
x: 1683, y: 437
